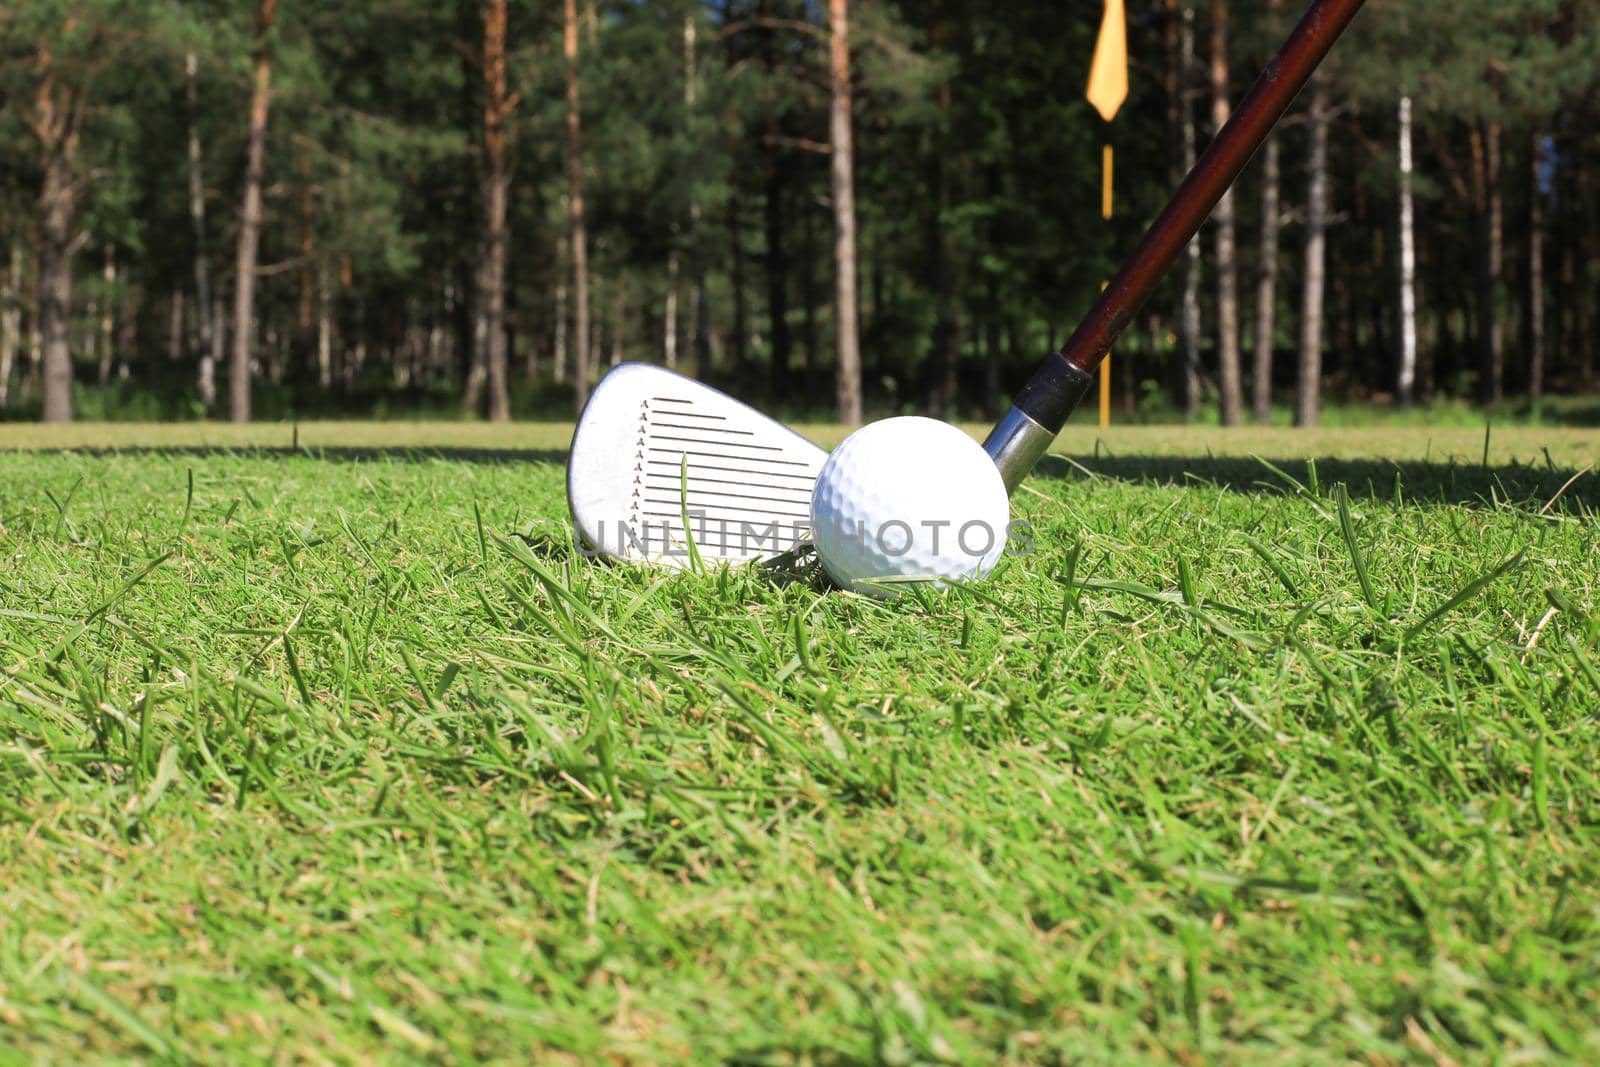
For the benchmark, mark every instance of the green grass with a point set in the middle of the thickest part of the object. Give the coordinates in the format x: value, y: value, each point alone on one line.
x: 1507, y: 445
x: 310, y: 756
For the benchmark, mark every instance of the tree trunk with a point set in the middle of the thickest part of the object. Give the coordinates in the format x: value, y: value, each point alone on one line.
x: 269, y: 358
x: 1536, y: 351
x: 438, y: 356
x: 1308, y: 389
x: 810, y: 299
x: 175, y: 324
x: 697, y: 294
x: 244, y: 291
x: 873, y: 312
x: 176, y: 319
x: 10, y: 321
x: 324, y: 326
x: 302, y: 350
x: 1427, y: 345
x: 1566, y: 272
x: 1405, y: 387
x: 496, y: 181
x: 1229, y: 374
x: 30, y: 377
x: 87, y: 336
x: 478, y: 368
x: 577, y: 229
x: 522, y: 340
x: 1193, y: 379
x: 1583, y: 321
x: 993, y: 313
x: 1267, y: 284
x: 206, y: 376
x: 1340, y: 330
x: 776, y: 263
x: 669, y: 315
x: 1180, y: 58
x: 54, y: 301
x: 1267, y: 278
x: 777, y: 270
x: 108, y: 318
x: 773, y: 203
x: 559, y: 345
x: 1497, y: 343
x: 945, y: 349
x: 597, y: 336
x: 619, y: 319
x: 206, y: 382
x: 57, y: 121
x: 127, y: 339
x: 844, y: 215
x: 736, y: 279
x: 55, y: 298
x: 1490, y: 259
x: 993, y: 357
x: 305, y: 316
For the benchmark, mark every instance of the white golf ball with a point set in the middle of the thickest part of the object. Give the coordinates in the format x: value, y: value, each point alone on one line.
x: 908, y: 498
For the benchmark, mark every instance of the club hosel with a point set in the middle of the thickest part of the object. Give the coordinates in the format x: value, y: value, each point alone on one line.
x: 1021, y: 439
x: 1016, y: 444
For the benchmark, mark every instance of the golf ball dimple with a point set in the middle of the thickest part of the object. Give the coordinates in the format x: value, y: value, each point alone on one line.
x: 908, y: 498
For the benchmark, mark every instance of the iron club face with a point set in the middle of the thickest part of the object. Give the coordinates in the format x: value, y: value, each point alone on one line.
x: 659, y: 459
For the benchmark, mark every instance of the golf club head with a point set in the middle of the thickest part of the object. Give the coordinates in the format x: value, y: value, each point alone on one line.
x: 658, y: 459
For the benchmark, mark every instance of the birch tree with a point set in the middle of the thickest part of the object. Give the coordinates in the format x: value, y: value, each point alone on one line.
x: 205, y: 310
x: 1405, y: 385
x: 1228, y: 372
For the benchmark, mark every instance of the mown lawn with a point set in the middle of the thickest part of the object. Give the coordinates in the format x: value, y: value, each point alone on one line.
x: 342, y: 754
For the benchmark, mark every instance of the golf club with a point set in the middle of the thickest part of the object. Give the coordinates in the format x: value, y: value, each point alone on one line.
x: 656, y: 456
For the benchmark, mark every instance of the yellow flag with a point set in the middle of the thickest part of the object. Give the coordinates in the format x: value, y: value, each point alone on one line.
x: 1108, y: 75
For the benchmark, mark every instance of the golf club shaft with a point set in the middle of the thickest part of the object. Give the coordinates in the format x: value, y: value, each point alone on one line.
x: 1042, y: 407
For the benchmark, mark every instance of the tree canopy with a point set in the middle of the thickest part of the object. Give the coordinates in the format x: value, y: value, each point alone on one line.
x: 708, y: 221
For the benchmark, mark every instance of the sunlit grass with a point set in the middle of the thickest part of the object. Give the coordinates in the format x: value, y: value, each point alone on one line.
x: 344, y: 754
x: 1571, y: 447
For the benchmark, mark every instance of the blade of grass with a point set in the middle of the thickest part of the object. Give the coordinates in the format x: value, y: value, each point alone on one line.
x: 1347, y: 528
x: 1465, y: 593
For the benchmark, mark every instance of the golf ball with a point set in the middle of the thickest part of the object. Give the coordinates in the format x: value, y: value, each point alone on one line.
x: 908, y: 498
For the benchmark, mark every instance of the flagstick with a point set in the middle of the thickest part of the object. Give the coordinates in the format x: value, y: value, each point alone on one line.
x: 1106, y: 173
x: 1107, y: 89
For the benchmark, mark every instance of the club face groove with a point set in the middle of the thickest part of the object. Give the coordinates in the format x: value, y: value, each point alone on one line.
x: 653, y: 449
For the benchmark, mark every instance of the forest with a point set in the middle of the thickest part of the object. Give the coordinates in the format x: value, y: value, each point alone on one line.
x: 269, y: 210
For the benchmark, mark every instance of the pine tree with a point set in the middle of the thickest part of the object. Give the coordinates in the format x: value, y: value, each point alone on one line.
x: 846, y: 327
x: 244, y: 293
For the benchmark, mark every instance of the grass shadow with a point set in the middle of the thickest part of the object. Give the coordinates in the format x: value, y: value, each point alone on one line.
x: 331, y: 454
x: 1573, y: 491
x: 1557, y: 489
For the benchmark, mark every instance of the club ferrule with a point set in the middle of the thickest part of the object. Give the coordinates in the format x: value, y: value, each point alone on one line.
x: 1052, y: 392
